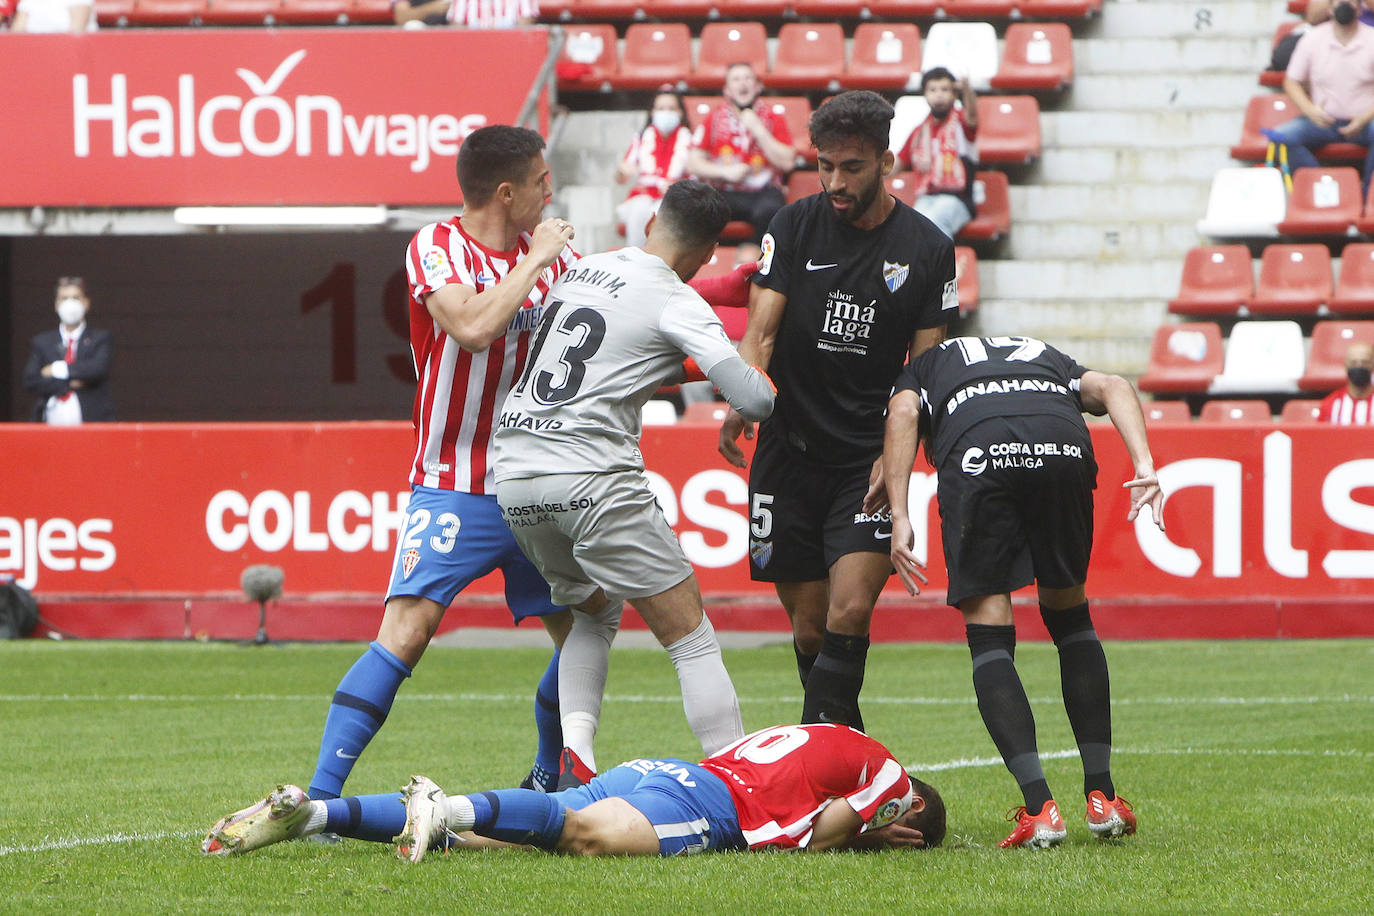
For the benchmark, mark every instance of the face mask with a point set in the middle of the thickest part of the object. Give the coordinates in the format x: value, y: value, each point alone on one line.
x: 71, y: 311
x: 665, y: 122
x: 1358, y: 375
x: 1344, y: 13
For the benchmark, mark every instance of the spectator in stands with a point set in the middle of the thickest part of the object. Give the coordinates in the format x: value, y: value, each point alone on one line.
x: 1330, y: 79
x: 941, y: 152
x: 745, y: 149
x: 1319, y: 11
x: 69, y: 368
x: 470, y: 14
x: 1352, y: 405
x: 54, y: 16
x: 657, y: 157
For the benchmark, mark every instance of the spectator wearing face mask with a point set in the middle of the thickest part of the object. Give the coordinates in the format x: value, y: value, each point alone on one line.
x: 941, y: 152
x: 1352, y: 405
x: 1330, y: 79
x: 657, y: 157
x: 69, y: 368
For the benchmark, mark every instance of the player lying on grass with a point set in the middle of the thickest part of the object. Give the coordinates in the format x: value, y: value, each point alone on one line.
x: 813, y: 787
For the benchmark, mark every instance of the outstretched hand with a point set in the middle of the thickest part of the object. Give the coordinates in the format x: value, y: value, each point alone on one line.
x: 729, y: 435
x: 1146, y: 492
x: 909, y: 569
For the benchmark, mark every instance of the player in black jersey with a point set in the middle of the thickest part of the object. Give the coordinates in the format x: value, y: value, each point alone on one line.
x: 850, y: 283
x: 1016, y: 473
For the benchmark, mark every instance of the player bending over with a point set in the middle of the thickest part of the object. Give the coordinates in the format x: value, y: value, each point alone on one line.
x: 813, y: 787
x: 1004, y: 416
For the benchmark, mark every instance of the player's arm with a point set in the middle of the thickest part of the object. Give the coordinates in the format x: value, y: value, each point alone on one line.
x: 835, y: 827
x: 756, y: 349
x: 1101, y: 392
x: 476, y: 319
x: 780, y: 154
x: 748, y: 389
x: 899, y: 454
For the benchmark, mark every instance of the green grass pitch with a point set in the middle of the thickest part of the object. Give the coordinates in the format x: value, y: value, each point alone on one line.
x: 1249, y: 764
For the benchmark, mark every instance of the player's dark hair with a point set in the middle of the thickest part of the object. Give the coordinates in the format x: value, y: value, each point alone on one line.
x: 856, y: 115
x: 694, y: 212
x: 931, y: 819
x: 491, y: 155
x: 936, y: 73
x: 78, y: 282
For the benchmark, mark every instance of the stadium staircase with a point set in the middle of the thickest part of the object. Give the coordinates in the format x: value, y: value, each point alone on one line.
x: 1103, y: 220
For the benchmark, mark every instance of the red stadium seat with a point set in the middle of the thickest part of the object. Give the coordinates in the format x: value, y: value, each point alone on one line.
x: 1241, y: 411
x: 108, y: 13
x: 1297, y: 6
x: 1271, y: 110
x: 699, y: 108
x: 1008, y: 129
x: 1300, y: 410
x: 1293, y: 280
x: 900, y: 186
x: 978, y: 9
x: 598, y: 10
x: 1184, y: 358
x: 668, y: 10
x: 1035, y: 56
x: 654, y: 54
x: 1325, y: 201
x: 993, y: 219
x: 1166, y: 412
x: 829, y: 10
x: 808, y: 56
x: 802, y: 183
x: 883, y: 55
x: 1274, y: 78
x: 1058, y: 9
x: 589, y: 59
x: 711, y: 412
x: 1217, y: 280
x: 166, y: 12
x: 1365, y: 223
x: 902, y: 10
x: 1326, y: 360
x: 1355, y: 284
x: 796, y: 111
x: 313, y: 12
x: 722, y: 262
x: 370, y: 12
x: 966, y: 274
x: 241, y: 12
x: 725, y: 43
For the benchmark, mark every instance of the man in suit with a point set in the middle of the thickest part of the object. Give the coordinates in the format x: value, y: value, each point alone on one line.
x: 69, y: 368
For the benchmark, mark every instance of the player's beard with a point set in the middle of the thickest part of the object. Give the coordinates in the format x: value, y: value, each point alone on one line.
x: 858, y: 205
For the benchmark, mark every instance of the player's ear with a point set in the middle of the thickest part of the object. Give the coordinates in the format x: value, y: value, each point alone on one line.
x: 887, y: 162
x: 505, y: 192
x: 918, y: 804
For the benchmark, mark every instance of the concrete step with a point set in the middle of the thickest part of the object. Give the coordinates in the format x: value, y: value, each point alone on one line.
x: 1169, y: 91
x: 1111, y: 336
x: 1071, y: 165
x: 1122, y: 240
x: 1183, y: 19
x: 1110, y: 201
x: 1217, y: 127
x: 1090, y: 281
x: 1177, y: 55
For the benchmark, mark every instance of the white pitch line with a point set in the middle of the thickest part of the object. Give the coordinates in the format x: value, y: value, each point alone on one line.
x: 964, y: 763
x: 74, y: 842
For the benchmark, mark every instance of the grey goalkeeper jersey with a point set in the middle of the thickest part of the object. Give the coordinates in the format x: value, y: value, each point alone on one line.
x: 615, y: 330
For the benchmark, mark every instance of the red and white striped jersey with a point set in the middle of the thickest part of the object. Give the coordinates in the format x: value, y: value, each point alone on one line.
x: 782, y: 777
x: 459, y: 393
x: 492, y: 14
x: 1340, y: 408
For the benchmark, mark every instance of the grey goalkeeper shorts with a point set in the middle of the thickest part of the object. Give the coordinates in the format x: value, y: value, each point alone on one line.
x: 589, y: 531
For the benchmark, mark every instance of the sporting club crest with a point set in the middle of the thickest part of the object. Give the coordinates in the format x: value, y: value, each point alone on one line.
x: 894, y: 275
x: 409, y: 559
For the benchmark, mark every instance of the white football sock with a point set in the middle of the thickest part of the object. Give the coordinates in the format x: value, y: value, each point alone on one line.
x: 458, y: 815
x: 319, y: 816
x: 582, y: 667
x: 708, y: 695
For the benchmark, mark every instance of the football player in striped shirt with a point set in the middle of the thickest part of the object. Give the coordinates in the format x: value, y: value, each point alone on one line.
x: 798, y: 787
x: 477, y: 287
x: 1352, y: 405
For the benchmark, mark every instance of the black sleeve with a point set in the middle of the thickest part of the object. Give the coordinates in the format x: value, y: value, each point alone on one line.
x: 34, y: 380
x: 92, y: 363
x: 907, y: 379
x: 940, y: 300
x: 779, y: 252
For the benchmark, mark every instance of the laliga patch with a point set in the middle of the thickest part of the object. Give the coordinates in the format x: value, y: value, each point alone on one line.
x: 436, y: 265
x: 761, y: 552
x: 409, y: 560
x: 894, y: 275
x: 886, y: 814
x: 949, y: 299
x: 766, y: 259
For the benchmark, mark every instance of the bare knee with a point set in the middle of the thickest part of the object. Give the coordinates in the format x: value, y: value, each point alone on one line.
x: 407, y: 627
x: 852, y: 617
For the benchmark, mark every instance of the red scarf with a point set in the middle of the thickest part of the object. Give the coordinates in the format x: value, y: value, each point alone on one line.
x: 936, y: 155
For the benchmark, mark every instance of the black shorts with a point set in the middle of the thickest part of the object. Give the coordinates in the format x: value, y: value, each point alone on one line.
x: 804, y: 516
x: 1016, y: 506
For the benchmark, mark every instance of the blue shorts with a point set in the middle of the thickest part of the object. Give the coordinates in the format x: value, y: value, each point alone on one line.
x: 450, y: 539
x: 689, y: 806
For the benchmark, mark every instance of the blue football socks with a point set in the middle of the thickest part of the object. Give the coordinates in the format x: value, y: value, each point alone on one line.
x: 548, y: 722
x: 359, y: 708
x: 366, y: 817
x: 518, y: 816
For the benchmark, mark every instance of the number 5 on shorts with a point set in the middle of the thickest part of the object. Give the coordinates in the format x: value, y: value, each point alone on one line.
x: 761, y: 524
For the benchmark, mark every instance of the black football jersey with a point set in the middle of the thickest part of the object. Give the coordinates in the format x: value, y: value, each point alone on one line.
x: 968, y: 379
x: 855, y: 299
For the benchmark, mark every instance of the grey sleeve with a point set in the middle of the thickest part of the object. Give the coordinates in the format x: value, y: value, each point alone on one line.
x: 747, y: 389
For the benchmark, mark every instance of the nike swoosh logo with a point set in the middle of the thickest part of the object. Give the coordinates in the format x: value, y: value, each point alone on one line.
x: 811, y: 266
x: 339, y: 753
x: 882, y: 535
